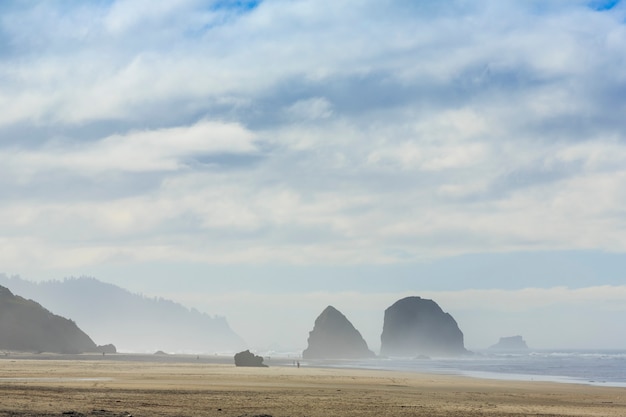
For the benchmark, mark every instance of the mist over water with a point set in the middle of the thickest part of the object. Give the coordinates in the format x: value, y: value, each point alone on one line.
x: 594, y: 367
x: 280, y: 322
x: 157, y: 317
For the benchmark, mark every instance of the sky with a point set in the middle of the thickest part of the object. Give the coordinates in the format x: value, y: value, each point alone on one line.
x: 261, y: 160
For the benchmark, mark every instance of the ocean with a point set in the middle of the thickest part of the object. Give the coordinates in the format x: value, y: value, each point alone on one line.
x: 593, y: 367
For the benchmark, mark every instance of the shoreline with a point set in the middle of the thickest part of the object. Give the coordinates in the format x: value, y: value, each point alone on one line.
x: 483, y: 375
x: 288, y: 362
x: 56, y: 387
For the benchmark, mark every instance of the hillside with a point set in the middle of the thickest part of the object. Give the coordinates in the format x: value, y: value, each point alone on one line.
x: 26, y: 326
x: 132, y: 322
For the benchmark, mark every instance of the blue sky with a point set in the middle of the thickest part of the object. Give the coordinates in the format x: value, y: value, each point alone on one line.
x: 256, y: 156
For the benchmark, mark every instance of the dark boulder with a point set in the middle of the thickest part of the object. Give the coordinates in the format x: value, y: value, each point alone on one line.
x: 334, y: 337
x: 247, y: 358
x: 415, y: 326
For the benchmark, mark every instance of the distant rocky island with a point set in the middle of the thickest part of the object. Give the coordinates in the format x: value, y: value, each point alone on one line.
x: 26, y: 326
x: 510, y: 343
x: 414, y: 326
x: 134, y: 323
x: 334, y: 337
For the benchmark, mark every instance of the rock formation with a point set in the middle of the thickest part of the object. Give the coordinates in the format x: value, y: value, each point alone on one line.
x: 415, y: 326
x: 26, y: 326
x: 334, y: 337
x: 510, y: 343
x: 247, y: 358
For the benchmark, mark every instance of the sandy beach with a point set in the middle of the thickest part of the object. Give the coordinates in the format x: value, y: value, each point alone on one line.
x: 51, y: 387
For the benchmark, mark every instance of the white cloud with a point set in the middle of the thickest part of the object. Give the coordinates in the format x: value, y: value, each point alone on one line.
x: 137, y: 151
x: 599, y: 155
x: 329, y: 132
x: 430, y: 158
x: 128, y: 16
x: 311, y: 109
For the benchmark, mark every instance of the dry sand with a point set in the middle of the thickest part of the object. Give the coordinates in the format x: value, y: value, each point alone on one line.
x: 139, y: 388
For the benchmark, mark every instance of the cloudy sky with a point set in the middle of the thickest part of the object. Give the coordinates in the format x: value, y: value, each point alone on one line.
x: 263, y: 159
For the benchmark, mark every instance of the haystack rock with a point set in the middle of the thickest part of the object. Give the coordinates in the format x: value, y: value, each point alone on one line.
x: 415, y: 326
x: 334, y: 337
x: 512, y: 343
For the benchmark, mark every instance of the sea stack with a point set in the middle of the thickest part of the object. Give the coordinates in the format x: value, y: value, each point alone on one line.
x: 414, y: 326
x: 334, y: 337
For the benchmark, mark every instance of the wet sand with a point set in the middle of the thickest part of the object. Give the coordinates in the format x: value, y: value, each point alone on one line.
x: 89, y: 387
